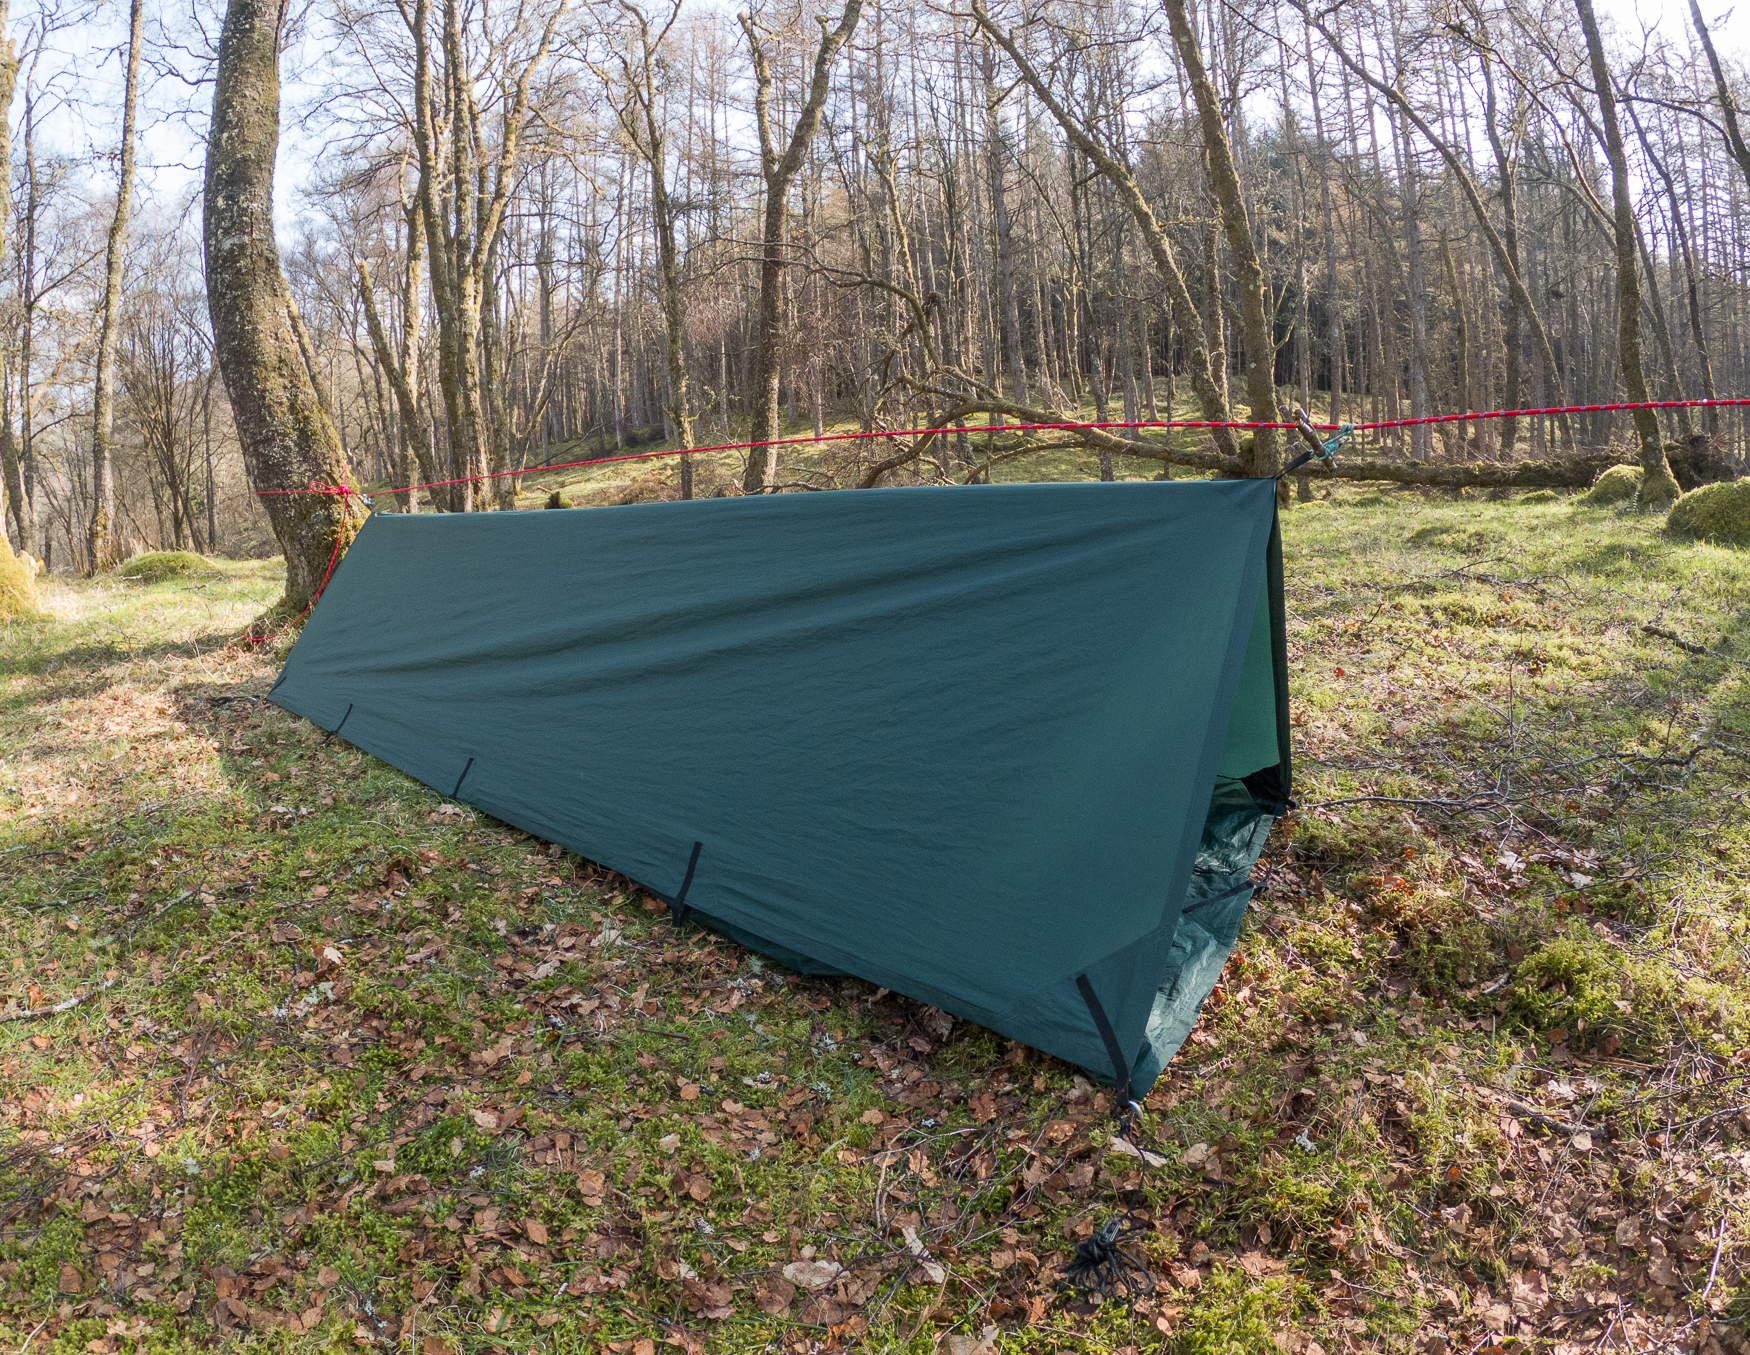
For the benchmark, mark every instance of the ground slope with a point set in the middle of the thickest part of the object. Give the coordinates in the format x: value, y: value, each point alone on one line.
x: 345, y: 1065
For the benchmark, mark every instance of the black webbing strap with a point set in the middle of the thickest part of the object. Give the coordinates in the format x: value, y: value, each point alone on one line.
x: 1120, y: 1065
x: 463, y: 777
x: 677, y: 906
x: 1217, y: 898
x: 343, y: 720
x: 1297, y: 463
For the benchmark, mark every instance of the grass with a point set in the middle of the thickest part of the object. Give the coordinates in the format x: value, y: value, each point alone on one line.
x: 349, y: 1065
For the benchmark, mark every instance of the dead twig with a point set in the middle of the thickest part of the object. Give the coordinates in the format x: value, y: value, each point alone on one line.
x: 32, y: 1013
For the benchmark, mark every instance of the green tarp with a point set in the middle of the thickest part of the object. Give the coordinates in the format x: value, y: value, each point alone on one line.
x: 1010, y: 750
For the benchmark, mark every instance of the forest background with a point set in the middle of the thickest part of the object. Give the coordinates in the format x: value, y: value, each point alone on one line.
x: 519, y: 237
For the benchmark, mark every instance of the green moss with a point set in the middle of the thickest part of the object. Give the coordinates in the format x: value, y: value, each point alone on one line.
x: 1236, y: 1314
x: 1582, y: 985
x: 1539, y: 496
x: 1714, y: 513
x: 17, y: 586
x: 1619, y: 484
x: 156, y: 566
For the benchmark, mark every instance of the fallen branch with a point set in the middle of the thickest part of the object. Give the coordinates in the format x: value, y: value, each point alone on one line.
x: 1520, y: 1111
x: 32, y: 1013
x: 1687, y: 646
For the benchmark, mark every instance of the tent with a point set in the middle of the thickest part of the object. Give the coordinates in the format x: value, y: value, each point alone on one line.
x: 1010, y: 750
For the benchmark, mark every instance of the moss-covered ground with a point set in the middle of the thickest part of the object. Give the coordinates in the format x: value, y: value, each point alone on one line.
x: 296, y: 1055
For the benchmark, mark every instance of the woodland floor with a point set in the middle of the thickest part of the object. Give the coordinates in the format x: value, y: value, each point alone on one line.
x: 350, y: 1067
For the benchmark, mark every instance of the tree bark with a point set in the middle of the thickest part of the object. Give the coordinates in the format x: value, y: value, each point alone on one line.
x: 401, y: 369
x: 1211, y: 399
x: 286, y: 438
x: 11, y: 481
x: 640, y: 120
x: 779, y: 172
x: 98, y: 545
x: 1479, y: 210
x: 1258, y: 328
x: 1728, y: 105
x: 999, y: 203
x: 1658, y: 485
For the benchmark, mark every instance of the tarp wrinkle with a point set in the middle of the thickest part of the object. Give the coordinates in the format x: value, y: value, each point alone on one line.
x: 971, y: 747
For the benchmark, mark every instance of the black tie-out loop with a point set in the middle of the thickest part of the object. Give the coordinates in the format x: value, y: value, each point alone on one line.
x: 1120, y: 1064
x: 677, y: 906
x: 343, y: 720
x: 463, y: 777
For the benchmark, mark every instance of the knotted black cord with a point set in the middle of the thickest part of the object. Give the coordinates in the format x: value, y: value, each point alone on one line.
x: 1104, y: 1270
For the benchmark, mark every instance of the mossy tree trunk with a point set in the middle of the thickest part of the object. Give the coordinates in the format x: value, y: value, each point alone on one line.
x: 287, y: 440
x: 1658, y: 485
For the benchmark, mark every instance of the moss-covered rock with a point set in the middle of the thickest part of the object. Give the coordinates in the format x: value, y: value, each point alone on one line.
x: 558, y: 500
x: 1619, y: 484
x: 17, y: 586
x: 156, y: 566
x: 1539, y: 496
x: 1714, y: 513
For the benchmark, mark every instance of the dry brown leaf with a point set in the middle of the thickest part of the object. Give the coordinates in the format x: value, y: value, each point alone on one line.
x: 984, y: 1343
x: 774, y: 1296
x: 813, y: 1274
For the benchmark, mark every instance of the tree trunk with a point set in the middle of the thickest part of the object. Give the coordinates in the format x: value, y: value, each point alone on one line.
x: 11, y: 481
x: 1658, y: 486
x: 640, y: 119
x: 287, y: 441
x: 779, y: 172
x: 103, y: 397
x: 1507, y: 174
x: 401, y: 370
x: 1734, y: 135
x: 1212, y: 399
x: 999, y: 203
x: 1255, y: 308
x: 1710, y: 415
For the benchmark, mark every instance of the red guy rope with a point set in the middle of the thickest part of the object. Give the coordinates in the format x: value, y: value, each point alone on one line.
x: 345, y: 490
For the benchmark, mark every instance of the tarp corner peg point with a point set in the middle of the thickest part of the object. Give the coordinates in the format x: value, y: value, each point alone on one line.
x: 997, y: 751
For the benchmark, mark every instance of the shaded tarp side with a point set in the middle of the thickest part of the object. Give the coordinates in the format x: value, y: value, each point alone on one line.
x: 959, y: 742
x: 1249, y: 797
